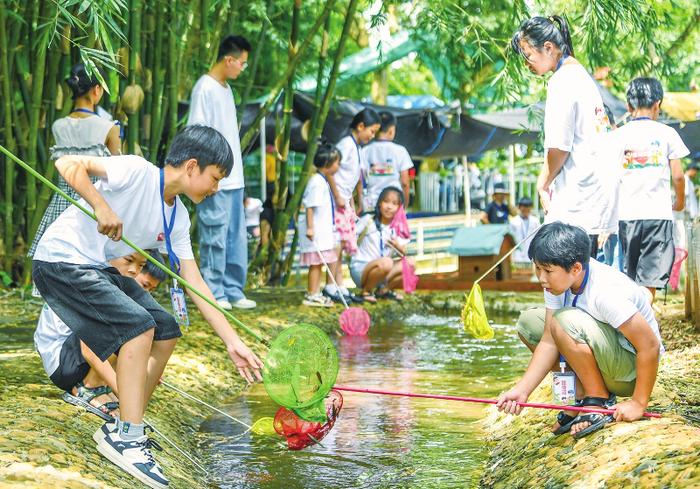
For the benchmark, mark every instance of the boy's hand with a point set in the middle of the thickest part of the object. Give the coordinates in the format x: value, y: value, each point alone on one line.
x: 108, y: 223
x: 508, y: 401
x: 629, y: 410
x: 678, y: 205
x: 310, y: 233
x: 246, y: 361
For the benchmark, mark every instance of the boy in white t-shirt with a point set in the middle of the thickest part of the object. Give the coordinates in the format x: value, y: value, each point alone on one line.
x: 522, y: 226
x: 599, y: 320
x: 650, y: 155
x: 87, y: 381
x: 109, y: 312
x: 385, y: 163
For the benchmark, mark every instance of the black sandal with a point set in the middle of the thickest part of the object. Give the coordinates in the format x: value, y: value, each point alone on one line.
x: 388, y: 294
x: 566, y: 421
x: 87, y: 394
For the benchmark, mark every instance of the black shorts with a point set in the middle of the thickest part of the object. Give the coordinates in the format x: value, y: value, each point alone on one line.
x: 103, y: 308
x: 648, y: 250
x: 72, y: 367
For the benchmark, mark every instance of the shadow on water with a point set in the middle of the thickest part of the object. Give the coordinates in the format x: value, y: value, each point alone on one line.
x: 381, y: 441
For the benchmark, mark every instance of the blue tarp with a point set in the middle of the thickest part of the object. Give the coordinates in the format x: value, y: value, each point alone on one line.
x: 483, y: 240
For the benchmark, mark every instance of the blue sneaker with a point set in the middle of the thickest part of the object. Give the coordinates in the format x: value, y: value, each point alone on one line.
x: 132, y: 456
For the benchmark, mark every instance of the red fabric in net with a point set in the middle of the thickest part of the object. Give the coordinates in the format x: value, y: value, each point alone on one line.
x: 681, y: 255
x: 408, y: 274
x: 301, y: 434
x: 355, y: 321
x: 400, y: 224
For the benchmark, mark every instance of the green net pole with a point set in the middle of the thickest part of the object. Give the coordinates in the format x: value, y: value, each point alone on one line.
x: 167, y: 270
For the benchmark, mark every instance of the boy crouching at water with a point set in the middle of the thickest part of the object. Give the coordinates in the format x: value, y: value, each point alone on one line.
x: 109, y: 313
x: 71, y: 365
x: 599, y: 320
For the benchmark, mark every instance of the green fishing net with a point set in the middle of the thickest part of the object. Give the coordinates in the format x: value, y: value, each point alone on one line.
x: 300, y: 370
x: 474, y: 315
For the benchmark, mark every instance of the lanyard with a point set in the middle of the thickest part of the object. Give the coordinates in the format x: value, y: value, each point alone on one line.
x: 359, y: 163
x: 168, y: 228
x: 92, y: 112
x: 645, y: 118
x: 583, y: 286
x: 330, y: 193
x: 561, y: 61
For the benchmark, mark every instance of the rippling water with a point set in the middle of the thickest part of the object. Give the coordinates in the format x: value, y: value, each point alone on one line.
x: 381, y: 441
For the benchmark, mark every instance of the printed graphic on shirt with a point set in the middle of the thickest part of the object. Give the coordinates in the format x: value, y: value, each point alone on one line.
x: 382, y: 169
x: 644, y: 157
x: 602, y: 122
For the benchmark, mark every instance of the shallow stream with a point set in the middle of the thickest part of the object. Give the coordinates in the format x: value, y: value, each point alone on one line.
x: 381, y: 441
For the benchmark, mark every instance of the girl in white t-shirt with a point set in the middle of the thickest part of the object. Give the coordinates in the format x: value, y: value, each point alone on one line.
x: 373, y: 266
x: 316, y: 223
x: 346, y: 182
x: 575, y: 119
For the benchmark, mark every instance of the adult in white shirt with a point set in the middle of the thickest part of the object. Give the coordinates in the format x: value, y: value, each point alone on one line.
x: 223, y: 250
x: 569, y: 184
x: 385, y: 163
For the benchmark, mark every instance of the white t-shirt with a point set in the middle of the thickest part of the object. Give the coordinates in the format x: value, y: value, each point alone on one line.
x: 348, y: 174
x: 520, y: 229
x: 645, y: 148
x: 374, y: 243
x: 213, y: 105
x: 253, y: 209
x: 132, y: 190
x: 610, y: 296
x: 49, y: 337
x: 317, y: 196
x: 573, y: 122
x: 383, y: 162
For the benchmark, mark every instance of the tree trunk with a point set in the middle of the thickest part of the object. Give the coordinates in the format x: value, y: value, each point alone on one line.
x: 282, y: 82
x: 257, y: 55
x: 157, y: 72
x: 9, y: 141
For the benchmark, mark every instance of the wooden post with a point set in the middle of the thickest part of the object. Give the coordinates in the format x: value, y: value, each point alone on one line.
x: 511, y: 175
x: 466, y: 190
x: 263, y: 157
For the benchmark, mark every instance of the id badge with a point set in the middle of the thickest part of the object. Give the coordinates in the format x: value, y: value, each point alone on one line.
x: 564, y: 387
x: 177, y: 299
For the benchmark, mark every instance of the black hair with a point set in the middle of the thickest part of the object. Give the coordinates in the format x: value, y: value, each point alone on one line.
x: 152, y: 270
x: 388, y: 121
x: 205, y: 144
x: 366, y: 116
x: 561, y: 245
x: 643, y: 93
x: 233, y: 46
x: 538, y: 30
x: 611, y: 116
x: 525, y: 201
x: 326, y: 154
x: 80, y: 82
x: 380, y: 199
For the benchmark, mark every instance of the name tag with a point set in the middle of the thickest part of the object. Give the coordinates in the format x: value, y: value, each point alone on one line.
x: 177, y: 299
x: 564, y: 387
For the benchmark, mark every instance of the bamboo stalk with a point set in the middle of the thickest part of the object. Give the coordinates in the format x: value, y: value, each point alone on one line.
x: 135, y: 9
x: 282, y: 82
x: 9, y: 231
x: 173, y: 75
x: 157, y: 95
x: 257, y: 56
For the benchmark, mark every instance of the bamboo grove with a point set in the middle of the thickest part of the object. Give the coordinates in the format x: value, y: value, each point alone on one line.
x: 152, y: 52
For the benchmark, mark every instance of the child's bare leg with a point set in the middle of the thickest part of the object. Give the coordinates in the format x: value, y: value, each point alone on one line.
x: 132, y: 367
x: 652, y: 291
x: 375, y: 273
x: 395, y: 277
x: 314, y: 285
x: 332, y: 271
x: 581, y: 360
x: 338, y: 269
x: 160, y: 354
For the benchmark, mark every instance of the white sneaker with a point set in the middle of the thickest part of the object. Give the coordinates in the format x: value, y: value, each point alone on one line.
x: 132, y: 456
x: 244, y: 304
x: 317, y: 300
x: 225, y: 304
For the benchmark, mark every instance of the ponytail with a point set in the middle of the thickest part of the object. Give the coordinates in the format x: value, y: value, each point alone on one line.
x: 538, y: 30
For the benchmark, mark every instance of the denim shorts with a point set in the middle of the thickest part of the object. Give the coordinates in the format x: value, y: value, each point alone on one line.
x: 72, y: 367
x: 356, y: 269
x: 103, y: 308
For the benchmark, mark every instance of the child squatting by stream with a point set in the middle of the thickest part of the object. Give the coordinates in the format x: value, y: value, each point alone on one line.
x: 599, y: 320
x: 87, y: 381
x: 71, y: 271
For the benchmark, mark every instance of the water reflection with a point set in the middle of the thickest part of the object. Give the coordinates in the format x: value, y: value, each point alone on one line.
x: 381, y: 441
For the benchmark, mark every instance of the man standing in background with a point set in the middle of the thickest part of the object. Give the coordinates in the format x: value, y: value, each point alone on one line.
x: 223, y: 250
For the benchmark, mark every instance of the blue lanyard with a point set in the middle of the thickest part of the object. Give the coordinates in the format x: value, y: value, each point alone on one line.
x: 583, y: 286
x: 92, y: 112
x: 359, y: 163
x: 561, y: 61
x: 168, y: 228
x: 330, y: 193
x: 645, y: 118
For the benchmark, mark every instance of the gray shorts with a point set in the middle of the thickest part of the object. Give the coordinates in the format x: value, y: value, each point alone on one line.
x: 103, y: 308
x: 647, y: 246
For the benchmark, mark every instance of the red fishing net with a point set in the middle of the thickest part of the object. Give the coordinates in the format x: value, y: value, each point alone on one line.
x: 301, y: 434
x: 355, y: 321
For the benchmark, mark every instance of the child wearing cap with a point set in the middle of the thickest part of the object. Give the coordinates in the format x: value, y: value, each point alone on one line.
x: 498, y: 210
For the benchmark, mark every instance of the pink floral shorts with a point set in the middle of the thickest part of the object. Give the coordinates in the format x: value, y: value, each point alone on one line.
x: 312, y: 258
x: 345, y: 219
